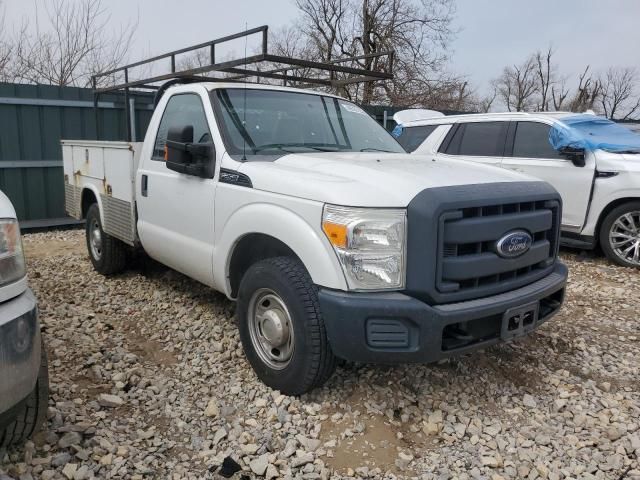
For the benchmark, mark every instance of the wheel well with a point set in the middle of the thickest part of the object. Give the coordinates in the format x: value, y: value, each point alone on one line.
x: 88, y: 198
x: 607, y: 209
x: 251, y: 249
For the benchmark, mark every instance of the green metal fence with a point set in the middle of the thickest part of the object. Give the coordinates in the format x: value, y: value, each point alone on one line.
x: 33, y: 120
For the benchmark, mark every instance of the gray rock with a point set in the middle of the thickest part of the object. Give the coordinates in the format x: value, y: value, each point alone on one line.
x: 69, y: 470
x: 70, y: 438
x: 529, y: 401
x: 290, y: 448
x: 259, y: 465
x: 110, y: 401
x: 302, y: 459
x: 60, y: 459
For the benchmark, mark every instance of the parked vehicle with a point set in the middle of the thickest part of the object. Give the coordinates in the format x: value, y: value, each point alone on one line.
x: 24, y: 381
x: 331, y: 238
x: 599, y: 184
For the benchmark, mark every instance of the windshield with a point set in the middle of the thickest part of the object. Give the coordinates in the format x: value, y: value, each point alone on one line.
x: 275, y: 122
x: 591, y: 132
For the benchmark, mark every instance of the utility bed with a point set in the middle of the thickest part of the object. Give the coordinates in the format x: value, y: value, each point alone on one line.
x: 107, y: 169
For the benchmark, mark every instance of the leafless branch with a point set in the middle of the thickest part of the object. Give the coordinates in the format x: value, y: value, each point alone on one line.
x: 418, y: 31
x: 75, y: 42
x: 620, y: 97
x: 517, y: 86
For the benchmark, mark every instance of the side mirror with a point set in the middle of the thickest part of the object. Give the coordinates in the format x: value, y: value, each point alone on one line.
x: 184, y: 156
x: 576, y: 155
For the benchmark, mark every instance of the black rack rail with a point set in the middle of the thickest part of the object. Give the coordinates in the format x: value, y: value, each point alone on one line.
x: 288, y: 69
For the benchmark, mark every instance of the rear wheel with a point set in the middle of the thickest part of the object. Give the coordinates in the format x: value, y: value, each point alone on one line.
x: 108, y: 254
x: 620, y: 235
x: 30, y: 416
x: 281, y: 326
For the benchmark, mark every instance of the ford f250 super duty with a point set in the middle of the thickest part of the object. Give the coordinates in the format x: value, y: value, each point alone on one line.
x: 333, y: 241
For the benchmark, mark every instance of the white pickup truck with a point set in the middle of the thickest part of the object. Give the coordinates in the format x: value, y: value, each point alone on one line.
x: 334, y: 241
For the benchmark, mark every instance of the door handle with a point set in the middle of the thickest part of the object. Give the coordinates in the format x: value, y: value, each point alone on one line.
x: 144, y: 183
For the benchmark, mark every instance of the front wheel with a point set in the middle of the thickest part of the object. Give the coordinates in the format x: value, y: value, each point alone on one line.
x: 108, y: 254
x: 281, y: 326
x: 620, y: 235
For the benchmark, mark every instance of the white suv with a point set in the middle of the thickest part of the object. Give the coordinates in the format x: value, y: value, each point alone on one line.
x: 599, y: 185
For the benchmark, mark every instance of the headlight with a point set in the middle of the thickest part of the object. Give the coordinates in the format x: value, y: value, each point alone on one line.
x: 370, y: 244
x: 12, y: 266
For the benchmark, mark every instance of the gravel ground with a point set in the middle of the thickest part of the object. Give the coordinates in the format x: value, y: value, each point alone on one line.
x: 148, y: 380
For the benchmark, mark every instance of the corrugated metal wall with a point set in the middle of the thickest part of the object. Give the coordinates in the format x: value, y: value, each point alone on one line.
x: 33, y: 120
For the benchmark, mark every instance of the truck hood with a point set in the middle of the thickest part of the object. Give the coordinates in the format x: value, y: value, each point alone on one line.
x: 367, y: 179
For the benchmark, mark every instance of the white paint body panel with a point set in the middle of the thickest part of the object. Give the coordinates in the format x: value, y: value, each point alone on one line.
x: 625, y: 185
x: 105, y: 168
x: 366, y: 179
x: 175, y: 219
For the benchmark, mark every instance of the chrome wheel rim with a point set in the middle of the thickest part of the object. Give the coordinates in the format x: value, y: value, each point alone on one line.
x: 270, y: 328
x: 95, y: 239
x: 624, y: 237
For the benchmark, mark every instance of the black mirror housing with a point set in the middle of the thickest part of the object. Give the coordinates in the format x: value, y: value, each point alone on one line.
x: 576, y: 155
x: 184, y: 156
x: 177, y: 140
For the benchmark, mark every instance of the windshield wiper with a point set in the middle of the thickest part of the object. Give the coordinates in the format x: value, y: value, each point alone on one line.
x: 283, y: 147
x: 372, y: 149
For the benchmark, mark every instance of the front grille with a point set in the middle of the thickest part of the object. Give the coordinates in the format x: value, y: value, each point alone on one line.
x: 469, y: 264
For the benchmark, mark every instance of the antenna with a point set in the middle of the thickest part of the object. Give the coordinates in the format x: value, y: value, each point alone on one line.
x: 244, y: 107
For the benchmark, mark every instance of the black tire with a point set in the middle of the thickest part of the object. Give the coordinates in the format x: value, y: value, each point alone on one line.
x: 31, y: 414
x: 312, y: 361
x: 605, y: 229
x: 112, y: 256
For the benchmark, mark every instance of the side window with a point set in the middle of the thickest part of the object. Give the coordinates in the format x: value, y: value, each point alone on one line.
x: 532, y: 141
x: 412, y: 137
x: 182, y: 109
x: 484, y: 139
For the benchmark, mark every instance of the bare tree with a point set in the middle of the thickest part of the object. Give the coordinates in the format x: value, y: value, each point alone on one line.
x: 11, y: 44
x: 5, y: 47
x: 620, y: 98
x: 485, y: 103
x: 547, y: 77
x: 417, y: 30
x: 518, y: 85
x: 75, y: 43
x: 195, y: 59
x: 324, y: 26
x: 559, y: 94
x: 587, y: 93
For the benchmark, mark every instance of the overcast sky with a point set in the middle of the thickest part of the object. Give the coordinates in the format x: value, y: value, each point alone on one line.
x: 492, y: 33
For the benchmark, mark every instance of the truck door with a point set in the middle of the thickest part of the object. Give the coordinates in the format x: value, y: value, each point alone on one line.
x: 175, y: 210
x: 529, y: 151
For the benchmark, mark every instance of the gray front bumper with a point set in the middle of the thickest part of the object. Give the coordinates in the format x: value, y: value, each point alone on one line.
x: 19, y: 349
x: 396, y: 328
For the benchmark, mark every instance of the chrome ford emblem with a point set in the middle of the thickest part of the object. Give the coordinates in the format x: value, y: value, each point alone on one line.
x: 514, y: 244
